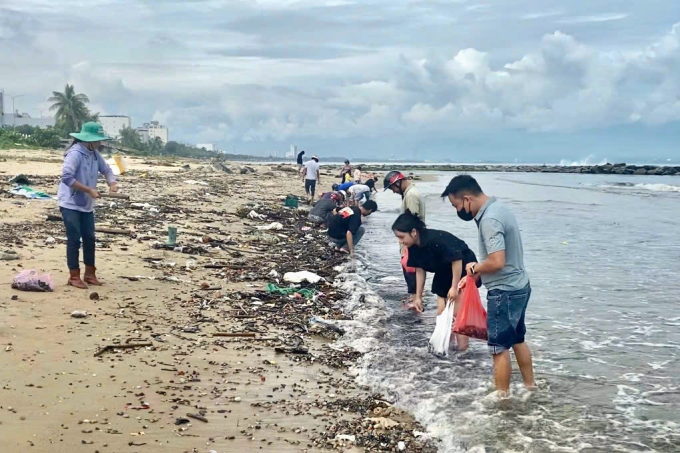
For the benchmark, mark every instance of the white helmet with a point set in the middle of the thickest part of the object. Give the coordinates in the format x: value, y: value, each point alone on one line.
x: 344, y: 194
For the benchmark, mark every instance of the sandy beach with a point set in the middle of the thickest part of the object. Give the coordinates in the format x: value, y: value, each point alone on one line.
x: 186, y: 387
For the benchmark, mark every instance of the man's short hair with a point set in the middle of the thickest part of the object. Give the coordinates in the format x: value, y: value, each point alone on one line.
x: 370, y: 205
x: 462, y: 185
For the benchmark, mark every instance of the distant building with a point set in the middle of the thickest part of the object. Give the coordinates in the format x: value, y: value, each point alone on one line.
x: 206, y: 146
x: 157, y: 130
x: 21, y: 119
x: 112, y: 124
x: 151, y: 130
x: 143, y: 133
x: 24, y: 119
x: 293, y: 151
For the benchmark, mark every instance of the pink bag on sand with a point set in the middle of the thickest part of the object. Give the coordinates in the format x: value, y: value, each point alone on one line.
x: 32, y: 280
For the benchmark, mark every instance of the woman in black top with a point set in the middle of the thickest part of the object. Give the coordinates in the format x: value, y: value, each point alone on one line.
x: 439, y: 252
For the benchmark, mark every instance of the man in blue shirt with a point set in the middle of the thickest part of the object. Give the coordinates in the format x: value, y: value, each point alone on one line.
x: 502, y: 271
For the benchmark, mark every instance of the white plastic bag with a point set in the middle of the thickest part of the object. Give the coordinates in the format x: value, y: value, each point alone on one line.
x: 439, y: 341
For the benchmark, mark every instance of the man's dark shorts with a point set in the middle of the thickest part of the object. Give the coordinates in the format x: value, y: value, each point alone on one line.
x: 505, y: 318
x: 310, y: 186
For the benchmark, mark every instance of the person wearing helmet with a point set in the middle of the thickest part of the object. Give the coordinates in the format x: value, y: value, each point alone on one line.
x: 410, y: 201
x: 324, y: 209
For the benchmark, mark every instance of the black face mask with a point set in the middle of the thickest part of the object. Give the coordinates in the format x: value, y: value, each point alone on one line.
x: 464, y: 214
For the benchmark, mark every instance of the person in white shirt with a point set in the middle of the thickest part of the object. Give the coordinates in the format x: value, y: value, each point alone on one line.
x: 311, y: 174
x: 359, y: 194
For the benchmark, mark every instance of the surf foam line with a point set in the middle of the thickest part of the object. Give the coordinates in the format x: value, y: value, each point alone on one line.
x: 452, y: 398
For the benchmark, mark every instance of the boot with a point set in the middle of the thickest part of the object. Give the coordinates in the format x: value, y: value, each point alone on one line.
x: 74, y: 279
x: 90, y: 277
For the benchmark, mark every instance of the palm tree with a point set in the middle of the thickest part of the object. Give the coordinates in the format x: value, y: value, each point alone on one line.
x: 155, y: 145
x: 71, y: 109
x: 130, y: 138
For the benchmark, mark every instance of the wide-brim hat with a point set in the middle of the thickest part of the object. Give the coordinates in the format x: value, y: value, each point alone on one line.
x: 315, y: 158
x: 91, y: 132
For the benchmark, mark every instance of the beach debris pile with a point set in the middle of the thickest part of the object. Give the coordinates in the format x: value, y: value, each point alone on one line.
x: 255, y: 278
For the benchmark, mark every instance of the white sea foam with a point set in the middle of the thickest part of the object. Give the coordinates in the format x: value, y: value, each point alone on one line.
x: 590, y: 160
x: 643, y: 187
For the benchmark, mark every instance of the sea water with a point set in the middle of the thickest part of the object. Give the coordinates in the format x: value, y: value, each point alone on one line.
x: 603, y: 322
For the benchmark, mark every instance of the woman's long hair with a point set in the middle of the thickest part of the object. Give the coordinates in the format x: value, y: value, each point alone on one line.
x: 407, y: 222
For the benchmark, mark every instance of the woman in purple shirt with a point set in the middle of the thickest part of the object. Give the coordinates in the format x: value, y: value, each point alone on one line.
x: 76, y: 196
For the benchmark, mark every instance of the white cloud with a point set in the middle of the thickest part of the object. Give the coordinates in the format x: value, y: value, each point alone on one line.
x: 595, y: 18
x: 540, y: 15
x: 277, y: 71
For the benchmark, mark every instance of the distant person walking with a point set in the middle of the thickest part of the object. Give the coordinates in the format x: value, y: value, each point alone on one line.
x: 76, y: 197
x: 299, y: 160
x: 502, y: 272
x: 410, y: 201
x: 311, y: 175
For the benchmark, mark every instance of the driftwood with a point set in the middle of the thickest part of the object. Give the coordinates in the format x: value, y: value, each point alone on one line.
x: 110, y: 347
x: 120, y: 196
x: 234, y: 334
x: 113, y: 231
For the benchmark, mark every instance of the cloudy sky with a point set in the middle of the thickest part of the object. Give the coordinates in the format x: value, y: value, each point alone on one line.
x: 494, y: 80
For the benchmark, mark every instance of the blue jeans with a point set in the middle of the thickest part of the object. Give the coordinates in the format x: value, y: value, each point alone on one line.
x: 505, y: 318
x: 78, y: 225
x: 355, y: 238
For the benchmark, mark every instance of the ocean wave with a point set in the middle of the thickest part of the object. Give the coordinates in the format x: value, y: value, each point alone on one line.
x: 641, y: 186
x: 590, y: 160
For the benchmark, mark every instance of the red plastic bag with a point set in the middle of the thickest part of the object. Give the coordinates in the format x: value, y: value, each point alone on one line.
x: 404, y: 262
x: 471, y: 319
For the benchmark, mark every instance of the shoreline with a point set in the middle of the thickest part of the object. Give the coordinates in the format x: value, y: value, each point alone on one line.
x: 277, y: 383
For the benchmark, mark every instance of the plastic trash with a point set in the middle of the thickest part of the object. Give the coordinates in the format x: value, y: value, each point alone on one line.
x: 302, y: 276
x: 441, y: 337
x: 27, y: 192
x: 172, y: 235
x: 9, y: 255
x: 325, y: 328
x: 254, y: 215
x: 271, y: 226
x: 471, y: 319
x: 32, y: 280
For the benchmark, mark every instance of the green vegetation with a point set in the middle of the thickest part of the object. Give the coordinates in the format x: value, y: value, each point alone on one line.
x: 30, y: 137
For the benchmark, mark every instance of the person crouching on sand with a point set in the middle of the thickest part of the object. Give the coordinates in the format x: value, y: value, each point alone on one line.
x: 435, y: 251
x: 76, y: 198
